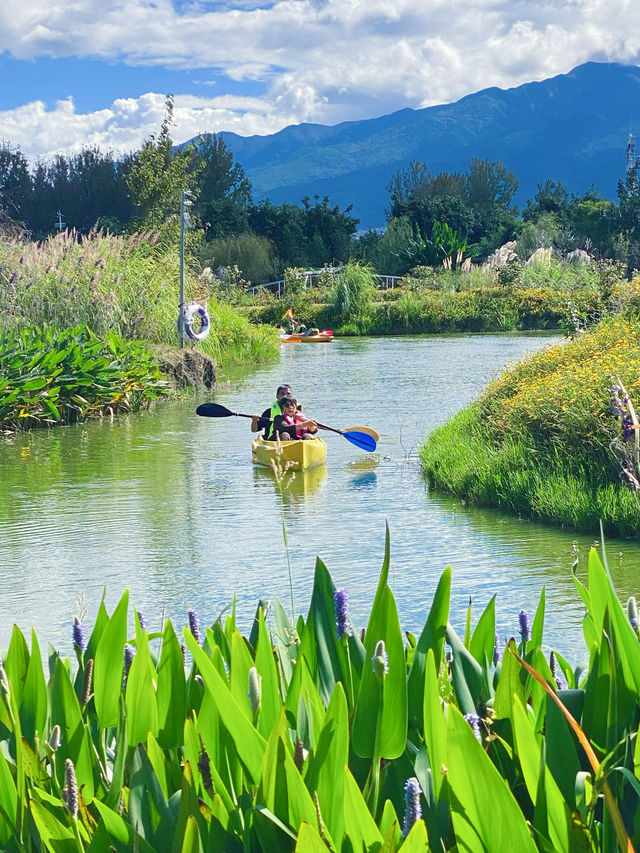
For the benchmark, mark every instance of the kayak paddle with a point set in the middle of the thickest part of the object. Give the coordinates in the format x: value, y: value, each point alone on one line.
x: 361, y: 439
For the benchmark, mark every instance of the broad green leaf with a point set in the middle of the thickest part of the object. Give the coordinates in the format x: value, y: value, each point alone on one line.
x: 120, y: 831
x: 33, y: 710
x: 65, y: 712
x: 172, y: 691
x: 249, y: 743
x: 282, y: 789
x: 480, y: 793
x: 435, y: 729
x: 388, y: 698
x: 416, y: 841
x: 390, y: 827
x: 484, y: 637
x: 271, y: 701
x: 140, y: 698
x: 16, y: 664
x: 191, y: 842
x: 8, y: 802
x: 309, y: 840
x: 467, y: 676
x: 241, y: 663
x: 508, y: 684
x: 188, y: 808
x: 361, y: 831
x: 109, y: 665
x: 331, y: 754
x: 537, y: 778
x: 54, y: 835
x: 432, y: 637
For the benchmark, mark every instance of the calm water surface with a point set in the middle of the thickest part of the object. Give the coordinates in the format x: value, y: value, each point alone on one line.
x: 170, y: 506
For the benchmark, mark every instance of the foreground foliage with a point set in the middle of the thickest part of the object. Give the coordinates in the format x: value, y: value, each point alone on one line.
x: 49, y: 377
x: 538, y: 439
x: 313, y: 737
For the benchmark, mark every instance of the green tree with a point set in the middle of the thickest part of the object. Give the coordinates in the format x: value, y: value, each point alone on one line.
x: 224, y: 189
x: 15, y: 183
x: 157, y: 176
x: 551, y: 197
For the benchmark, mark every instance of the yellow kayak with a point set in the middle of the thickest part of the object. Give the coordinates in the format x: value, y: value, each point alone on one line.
x: 295, y: 455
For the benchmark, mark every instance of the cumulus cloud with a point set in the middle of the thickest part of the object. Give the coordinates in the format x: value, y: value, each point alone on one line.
x: 320, y: 60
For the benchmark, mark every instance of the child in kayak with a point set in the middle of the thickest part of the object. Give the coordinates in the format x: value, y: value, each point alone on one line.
x: 292, y: 423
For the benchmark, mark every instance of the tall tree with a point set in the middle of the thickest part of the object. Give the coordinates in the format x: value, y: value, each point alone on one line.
x: 15, y: 183
x: 224, y: 189
x: 158, y: 174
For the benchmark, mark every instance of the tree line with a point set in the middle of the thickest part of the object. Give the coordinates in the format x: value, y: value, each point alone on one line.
x: 431, y: 218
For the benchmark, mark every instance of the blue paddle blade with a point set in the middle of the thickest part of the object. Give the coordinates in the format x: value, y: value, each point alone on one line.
x: 360, y: 439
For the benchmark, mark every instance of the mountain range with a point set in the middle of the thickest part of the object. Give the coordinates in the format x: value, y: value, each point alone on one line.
x: 571, y: 128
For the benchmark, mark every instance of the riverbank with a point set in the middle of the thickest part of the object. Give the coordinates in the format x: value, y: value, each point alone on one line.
x: 538, y: 441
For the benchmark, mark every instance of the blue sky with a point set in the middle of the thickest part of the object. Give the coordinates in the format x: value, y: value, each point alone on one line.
x: 96, y: 72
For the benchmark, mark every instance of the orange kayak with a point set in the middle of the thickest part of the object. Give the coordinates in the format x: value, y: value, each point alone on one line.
x: 321, y: 337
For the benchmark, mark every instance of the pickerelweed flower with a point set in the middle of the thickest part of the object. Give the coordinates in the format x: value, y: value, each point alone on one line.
x: 556, y: 672
x: 497, y: 649
x: 129, y: 654
x: 380, y: 661
x: 70, y: 792
x: 474, y: 722
x: 87, y: 682
x: 412, y: 809
x: 80, y: 636
x: 194, y: 626
x: 341, y: 608
x: 525, y: 625
x: 142, y: 620
x: 204, y: 766
x: 255, y: 689
x: 632, y: 612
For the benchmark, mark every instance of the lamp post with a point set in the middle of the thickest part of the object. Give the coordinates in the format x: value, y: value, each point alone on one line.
x: 185, y: 201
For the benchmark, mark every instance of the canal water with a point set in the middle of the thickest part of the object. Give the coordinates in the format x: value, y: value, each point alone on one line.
x: 170, y: 506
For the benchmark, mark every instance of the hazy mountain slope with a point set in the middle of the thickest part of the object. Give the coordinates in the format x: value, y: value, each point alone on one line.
x: 572, y: 127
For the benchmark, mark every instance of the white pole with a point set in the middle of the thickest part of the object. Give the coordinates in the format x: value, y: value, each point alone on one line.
x: 181, y: 318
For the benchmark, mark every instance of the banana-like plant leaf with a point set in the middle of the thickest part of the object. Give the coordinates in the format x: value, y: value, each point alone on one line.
x: 435, y: 729
x: 54, y: 835
x: 109, y: 665
x: 271, y: 700
x: 33, y: 708
x: 479, y: 794
x: 241, y: 663
x: 65, y: 711
x: 140, y: 698
x: 484, y: 636
x: 432, y: 637
x: 467, y: 675
x: 362, y: 831
x: 172, y: 691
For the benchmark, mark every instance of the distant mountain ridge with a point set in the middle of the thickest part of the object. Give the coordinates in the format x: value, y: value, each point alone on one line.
x: 572, y: 127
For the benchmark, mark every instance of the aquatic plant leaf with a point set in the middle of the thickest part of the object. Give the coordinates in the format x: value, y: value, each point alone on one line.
x: 389, y: 697
x: 484, y: 636
x: 191, y: 842
x: 479, y: 794
x: 467, y: 675
x: 309, y: 840
x: 282, y: 789
x: 390, y: 827
x: 33, y: 709
x: 109, y: 665
x: 271, y: 700
x: 361, y: 831
x: 187, y: 810
x: 416, y: 841
x: 432, y: 637
x: 556, y: 818
x: 537, y: 629
x: 509, y: 684
x: 172, y: 691
x: 16, y: 664
x: 8, y: 802
x: 249, y: 743
x: 54, y: 835
x: 331, y: 754
x: 435, y: 729
x: 65, y: 712
x: 140, y: 697
x: 120, y: 833
x: 241, y: 663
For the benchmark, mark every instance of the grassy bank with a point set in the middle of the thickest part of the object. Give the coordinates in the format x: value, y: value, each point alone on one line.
x: 321, y: 736
x: 558, y: 296
x: 537, y: 441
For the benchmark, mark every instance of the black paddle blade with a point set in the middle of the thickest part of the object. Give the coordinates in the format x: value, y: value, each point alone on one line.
x: 360, y: 439
x: 213, y: 410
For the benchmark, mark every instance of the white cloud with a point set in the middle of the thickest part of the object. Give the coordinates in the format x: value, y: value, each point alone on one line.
x: 322, y: 60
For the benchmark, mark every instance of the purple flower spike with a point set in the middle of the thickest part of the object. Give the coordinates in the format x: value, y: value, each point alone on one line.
x: 497, y: 649
x: 474, y: 722
x: 556, y: 672
x: 412, y: 809
x: 80, y: 636
x: 129, y: 654
x: 341, y: 607
x: 194, y: 626
x: 142, y: 620
x: 525, y: 625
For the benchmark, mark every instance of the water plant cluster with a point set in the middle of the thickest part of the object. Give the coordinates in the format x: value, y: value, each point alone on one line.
x: 49, y: 376
x: 538, y: 440
x: 314, y: 735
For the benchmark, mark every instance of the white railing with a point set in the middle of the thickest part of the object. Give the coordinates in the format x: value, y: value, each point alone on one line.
x: 385, y: 282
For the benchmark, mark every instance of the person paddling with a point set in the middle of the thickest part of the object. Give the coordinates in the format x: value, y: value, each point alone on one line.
x: 292, y: 423
x: 265, y: 420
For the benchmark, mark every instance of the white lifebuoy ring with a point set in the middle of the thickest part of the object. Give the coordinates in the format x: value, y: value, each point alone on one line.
x: 189, y: 313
